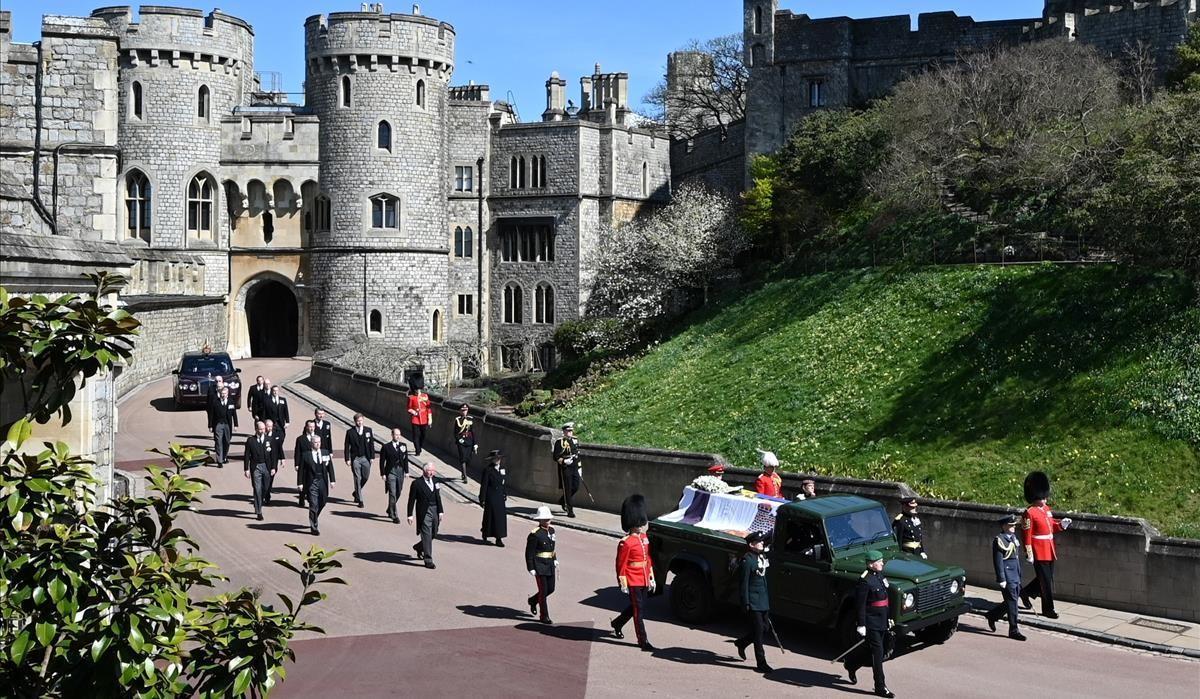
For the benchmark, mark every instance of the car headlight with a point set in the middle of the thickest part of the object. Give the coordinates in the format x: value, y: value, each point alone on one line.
x: 909, y: 600
x: 187, y: 386
x: 234, y: 384
x: 954, y: 587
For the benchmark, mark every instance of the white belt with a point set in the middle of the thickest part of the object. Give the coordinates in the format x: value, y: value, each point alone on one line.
x: 1043, y: 536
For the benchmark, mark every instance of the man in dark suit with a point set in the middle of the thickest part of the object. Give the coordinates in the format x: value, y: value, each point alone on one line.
x: 259, y: 464
x: 252, y: 396
x: 316, y: 467
x: 275, y: 407
x: 214, y: 391
x: 222, y: 419
x: 302, y: 445
x: 275, y: 434
x: 324, y: 429
x: 426, y: 496
x: 360, y: 451
x: 393, y: 467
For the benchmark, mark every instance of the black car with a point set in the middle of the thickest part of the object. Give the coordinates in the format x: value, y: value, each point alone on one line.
x: 198, y: 370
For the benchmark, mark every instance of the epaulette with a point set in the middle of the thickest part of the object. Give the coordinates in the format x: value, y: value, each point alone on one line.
x: 864, y: 574
x: 900, y: 516
x: 535, y: 530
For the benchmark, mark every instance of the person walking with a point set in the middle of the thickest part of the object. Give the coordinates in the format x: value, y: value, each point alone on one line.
x: 464, y: 438
x: 222, y: 419
x: 259, y: 464
x: 570, y: 466
x: 214, y: 392
x: 493, y: 494
x: 1040, y: 526
x: 303, y: 444
x: 275, y: 434
x: 256, y: 391
x: 752, y: 577
x: 1006, y: 559
x: 422, y: 416
x: 275, y: 407
x: 635, y: 571
x: 426, y: 497
x: 324, y: 428
x: 393, y: 467
x: 907, y: 528
x: 874, y: 622
x: 360, y: 452
x: 541, y: 560
x: 317, y: 467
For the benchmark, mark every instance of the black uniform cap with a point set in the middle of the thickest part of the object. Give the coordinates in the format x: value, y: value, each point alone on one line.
x: 633, y: 512
x: 494, y: 455
x: 1037, y: 486
x: 1008, y: 519
x: 755, y: 537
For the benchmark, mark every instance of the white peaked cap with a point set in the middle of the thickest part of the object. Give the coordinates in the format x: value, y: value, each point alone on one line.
x: 543, y: 513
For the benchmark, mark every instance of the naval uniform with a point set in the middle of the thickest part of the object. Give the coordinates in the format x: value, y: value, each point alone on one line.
x: 1006, y: 559
x: 871, y: 601
x: 909, y: 533
x: 570, y: 470
x: 540, y: 559
x: 464, y: 442
x: 635, y: 572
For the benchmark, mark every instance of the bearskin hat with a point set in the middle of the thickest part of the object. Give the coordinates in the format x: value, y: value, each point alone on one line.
x: 633, y: 512
x: 1037, y: 487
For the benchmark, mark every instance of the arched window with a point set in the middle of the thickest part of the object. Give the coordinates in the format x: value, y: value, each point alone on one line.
x: 512, y: 172
x: 758, y: 20
x: 436, y: 331
x: 137, y: 205
x: 541, y: 171
x: 468, y: 242
x: 385, y: 211
x: 200, y: 206
x: 135, y: 100
x: 521, y: 172
x: 458, y: 241
x: 421, y: 94
x: 384, y: 136
x: 543, y: 304
x: 463, y: 241
x: 645, y: 179
x: 513, y: 300
x: 202, y: 103
x: 321, y: 216
x: 345, y: 90
x: 375, y: 323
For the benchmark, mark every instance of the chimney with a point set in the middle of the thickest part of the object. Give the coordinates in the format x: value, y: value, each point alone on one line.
x: 585, y: 95
x: 556, y: 96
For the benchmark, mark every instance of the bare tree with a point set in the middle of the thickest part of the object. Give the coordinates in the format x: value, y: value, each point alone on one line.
x: 705, y: 87
x: 1140, y: 74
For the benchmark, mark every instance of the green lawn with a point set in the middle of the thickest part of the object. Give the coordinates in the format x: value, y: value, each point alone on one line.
x: 957, y: 381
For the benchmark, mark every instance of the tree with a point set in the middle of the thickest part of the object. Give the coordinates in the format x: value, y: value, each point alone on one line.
x: 707, y: 87
x: 1185, y: 74
x: 100, y: 599
x: 645, y: 268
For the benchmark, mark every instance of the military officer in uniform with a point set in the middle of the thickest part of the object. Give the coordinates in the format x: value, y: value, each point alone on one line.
x: 752, y: 577
x: 570, y: 465
x: 874, y: 622
x: 542, y: 563
x: 421, y: 413
x: 464, y: 438
x: 393, y: 467
x: 635, y: 571
x: 222, y: 419
x: 1006, y: 559
x: 303, y: 444
x: 259, y: 462
x: 317, y: 469
x: 907, y: 526
x: 493, y: 493
x: 769, y: 483
x: 1040, y: 527
x: 360, y: 452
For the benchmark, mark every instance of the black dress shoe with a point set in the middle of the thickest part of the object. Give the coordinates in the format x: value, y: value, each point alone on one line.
x: 1025, y: 601
x: 740, y: 649
x: 546, y: 620
x: 1016, y: 636
x: 647, y: 647
x: 420, y: 553
x: 315, y: 531
x: 258, y: 516
x: 617, y: 632
x: 533, y: 606
x: 992, y: 624
x: 885, y: 692
x: 764, y: 668
x: 1051, y: 615
x: 500, y: 542
x: 360, y: 503
x: 571, y: 515
x: 429, y: 564
x: 395, y: 520
x: 851, y: 673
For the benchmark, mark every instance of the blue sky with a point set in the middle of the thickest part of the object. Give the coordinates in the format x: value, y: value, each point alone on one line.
x: 513, y: 46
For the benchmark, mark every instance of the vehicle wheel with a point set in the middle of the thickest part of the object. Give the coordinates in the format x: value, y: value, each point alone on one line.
x: 691, y: 596
x: 938, y: 633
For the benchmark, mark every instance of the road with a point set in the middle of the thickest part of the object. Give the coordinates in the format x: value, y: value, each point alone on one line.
x: 463, y: 629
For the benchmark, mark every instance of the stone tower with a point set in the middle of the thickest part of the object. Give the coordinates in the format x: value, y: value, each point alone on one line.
x: 765, y: 129
x: 180, y: 72
x: 378, y: 82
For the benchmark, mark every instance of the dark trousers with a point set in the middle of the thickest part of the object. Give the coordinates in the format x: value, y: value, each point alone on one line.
x: 318, y: 493
x: 260, y: 476
x: 1009, y: 604
x: 393, y: 483
x: 545, y: 588
x: 1042, y: 585
x: 570, y: 484
x: 418, y: 438
x: 878, y: 645
x: 465, y: 452
x: 637, y: 602
x: 301, y: 484
x: 221, y: 435
x: 360, y: 468
x: 757, y: 626
x: 429, y: 527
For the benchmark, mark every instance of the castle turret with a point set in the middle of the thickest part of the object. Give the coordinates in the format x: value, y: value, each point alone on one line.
x: 379, y: 84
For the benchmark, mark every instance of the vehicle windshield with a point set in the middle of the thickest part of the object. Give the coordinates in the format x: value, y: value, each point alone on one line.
x: 206, y: 365
x: 853, y: 528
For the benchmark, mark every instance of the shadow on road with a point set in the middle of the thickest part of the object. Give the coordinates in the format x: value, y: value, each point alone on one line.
x: 492, y: 611
x: 166, y: 404
x: 610, y: 598
x: 388, y: 557
x: 357, y: 514
x: 225, y: 512
x: 463, y: 539
x: 694, y: 656
x: 799, y: 677
x: 280, y: 527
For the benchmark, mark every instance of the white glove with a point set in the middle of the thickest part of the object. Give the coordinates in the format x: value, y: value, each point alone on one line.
x: 580, y: 469
x: 533, y: 572
x: 1066, y: 522
x: 624, y: 589
x: 556, y: 563
x: 1029, y: 558
x: 651, y: 586
x: 862, y: 630
x: 891, y: 623
x: 1003, y: 585
x: 924, y: 555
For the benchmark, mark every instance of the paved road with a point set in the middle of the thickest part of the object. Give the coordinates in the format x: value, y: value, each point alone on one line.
x: 400, y: 629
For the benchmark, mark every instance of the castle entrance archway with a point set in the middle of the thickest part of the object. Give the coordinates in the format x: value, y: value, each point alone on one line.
x: 273, y: 319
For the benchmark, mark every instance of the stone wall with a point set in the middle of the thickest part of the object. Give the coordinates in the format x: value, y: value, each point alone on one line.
x: 715, y: 158
x: 171, y: 325
x: 1112, y: 562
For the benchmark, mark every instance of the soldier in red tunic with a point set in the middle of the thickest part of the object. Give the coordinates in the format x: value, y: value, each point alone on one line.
x: 1039, y: 527
x: 769, y: 483
x: 635, y: 573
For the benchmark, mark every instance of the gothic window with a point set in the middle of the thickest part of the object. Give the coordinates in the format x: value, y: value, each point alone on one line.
x: 464, y: 241
x: 202, y: 103
x: 436, y: 333
x: 137, y: 205
x: 758, y: 20
x: 385, y: 211
x: 315, y: 207
x: 345, y: 90
x: 321, y: 215
x: 200, y: 206
x: 421, y: 94
x: 512, y: 172
x: 135, y: 101
x: 535, y: 171
x: 645, y: 179
x: 521, y: 172
x: 458, y: 241
x: 542, y: 171
x: 513, y: 300
x: 543, y: 304
x: 384, y: 136
x: 464, y: 178
x: 527, y: 243
x: 375, y: 322
x: 816, y: 93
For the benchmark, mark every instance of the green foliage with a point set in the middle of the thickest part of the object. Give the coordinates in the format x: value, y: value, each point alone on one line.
x: 1185, y: 74
x: 757, y: 212
x: 831, y: 153
x: 958, y: 381
x: 46, y: 345
x: 487, y: 397
x: 591, y: 336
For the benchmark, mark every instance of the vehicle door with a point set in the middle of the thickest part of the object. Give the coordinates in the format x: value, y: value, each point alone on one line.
x: 800, y: 570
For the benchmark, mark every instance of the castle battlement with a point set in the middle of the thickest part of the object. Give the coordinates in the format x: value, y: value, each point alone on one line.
x: 374, y: 40
x: 161, y: 26
x: 469, y: 93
